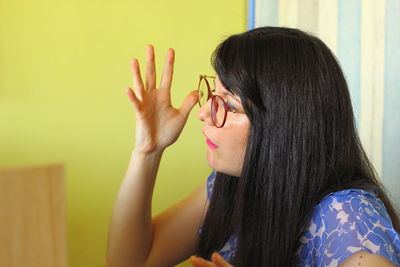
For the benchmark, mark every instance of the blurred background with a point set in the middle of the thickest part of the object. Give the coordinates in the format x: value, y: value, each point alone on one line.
x: 65, y: 63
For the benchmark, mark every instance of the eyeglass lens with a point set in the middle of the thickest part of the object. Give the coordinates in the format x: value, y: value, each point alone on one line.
x: 203, y: 92
x: 218, y: 111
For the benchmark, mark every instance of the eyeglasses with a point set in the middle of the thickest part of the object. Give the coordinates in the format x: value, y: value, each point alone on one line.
x: 219, y: 108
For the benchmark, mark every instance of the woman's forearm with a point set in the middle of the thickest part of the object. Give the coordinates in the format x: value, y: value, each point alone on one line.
x: 158, y: 125
x: 130, y: 233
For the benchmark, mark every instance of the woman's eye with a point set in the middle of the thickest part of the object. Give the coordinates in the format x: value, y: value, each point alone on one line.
x: 231, y: 107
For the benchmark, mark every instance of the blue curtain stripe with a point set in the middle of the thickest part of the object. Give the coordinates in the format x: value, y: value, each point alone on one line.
x: 251, y: 14
x: 349, y: 47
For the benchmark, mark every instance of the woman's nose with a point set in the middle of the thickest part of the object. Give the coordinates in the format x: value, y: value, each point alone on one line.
x: 204, y: 112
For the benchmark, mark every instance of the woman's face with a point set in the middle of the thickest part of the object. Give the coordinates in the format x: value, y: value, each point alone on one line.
x: 226, y: 145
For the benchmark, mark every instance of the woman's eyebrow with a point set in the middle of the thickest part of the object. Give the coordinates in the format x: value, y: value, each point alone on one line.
x: 226, y: 92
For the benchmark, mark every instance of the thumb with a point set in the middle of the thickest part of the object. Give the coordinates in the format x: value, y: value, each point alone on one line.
x: 189, y: 102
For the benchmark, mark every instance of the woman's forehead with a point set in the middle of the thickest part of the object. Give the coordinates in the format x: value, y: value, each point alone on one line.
x: 220, y: 86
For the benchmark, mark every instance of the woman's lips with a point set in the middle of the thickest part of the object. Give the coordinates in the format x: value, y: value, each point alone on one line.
x: 211, y: 144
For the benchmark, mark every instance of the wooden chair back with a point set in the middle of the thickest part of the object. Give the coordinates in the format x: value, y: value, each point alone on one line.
x: 32, y: 217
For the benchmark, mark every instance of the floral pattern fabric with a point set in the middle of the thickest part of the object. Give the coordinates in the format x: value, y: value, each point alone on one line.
x: 343, y: 223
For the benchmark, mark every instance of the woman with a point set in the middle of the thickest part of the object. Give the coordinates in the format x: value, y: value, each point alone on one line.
x: 292, y: 185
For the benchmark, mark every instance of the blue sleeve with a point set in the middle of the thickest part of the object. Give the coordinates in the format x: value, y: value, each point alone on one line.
x: 210, y: 184
x: 355, y: 222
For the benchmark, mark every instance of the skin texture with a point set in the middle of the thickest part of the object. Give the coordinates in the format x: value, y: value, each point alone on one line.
x: 366, y: 259
x: 231, y: 139
x: 217, y: 261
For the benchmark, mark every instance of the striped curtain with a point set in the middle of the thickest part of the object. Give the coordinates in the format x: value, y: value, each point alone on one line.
x: 365, y: 37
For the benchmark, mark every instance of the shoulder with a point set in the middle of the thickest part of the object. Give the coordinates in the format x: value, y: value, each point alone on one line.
x: 353, y: 209
x: 347, y: 222
x: 366, y: 259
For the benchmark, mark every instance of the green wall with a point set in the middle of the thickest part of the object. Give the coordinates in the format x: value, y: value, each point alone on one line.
x: 63, y: 67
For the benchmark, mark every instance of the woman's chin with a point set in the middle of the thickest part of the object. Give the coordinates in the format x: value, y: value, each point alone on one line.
x: 211, y: 160
x: 216, y: 163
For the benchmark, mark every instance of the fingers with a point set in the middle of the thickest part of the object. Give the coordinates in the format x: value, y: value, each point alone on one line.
x: 189, y: 102
x: 166, y: 78
x: 219, y: 261
x: 150, y: 68
x: 137, y: 79
x: 200, y: 262
x: 132, y: 97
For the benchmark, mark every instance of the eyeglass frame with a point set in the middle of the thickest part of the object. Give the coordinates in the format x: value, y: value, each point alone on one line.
x: 213, y: 98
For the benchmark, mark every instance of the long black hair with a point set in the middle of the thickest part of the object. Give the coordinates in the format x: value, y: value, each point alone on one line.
x: 303, y: 144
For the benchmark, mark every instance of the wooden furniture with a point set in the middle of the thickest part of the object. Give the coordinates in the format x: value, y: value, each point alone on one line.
x: 32, y: 217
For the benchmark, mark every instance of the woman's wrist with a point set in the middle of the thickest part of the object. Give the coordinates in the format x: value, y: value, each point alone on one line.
x: 148, y: 154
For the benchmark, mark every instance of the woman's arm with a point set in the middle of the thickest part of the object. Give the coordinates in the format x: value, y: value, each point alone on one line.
x: 158, y: 125
x: 136, y: 239
x: 130, y: 233
x: 365, y: 259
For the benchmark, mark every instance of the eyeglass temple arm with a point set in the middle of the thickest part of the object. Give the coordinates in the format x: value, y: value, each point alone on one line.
x: 207, y: 76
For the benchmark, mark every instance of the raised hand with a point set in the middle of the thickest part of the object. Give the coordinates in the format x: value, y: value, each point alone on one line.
x: 217, y: 261
x: 158, y: 123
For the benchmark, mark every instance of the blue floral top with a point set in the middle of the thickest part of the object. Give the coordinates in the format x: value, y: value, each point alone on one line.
x: 343, y: 223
